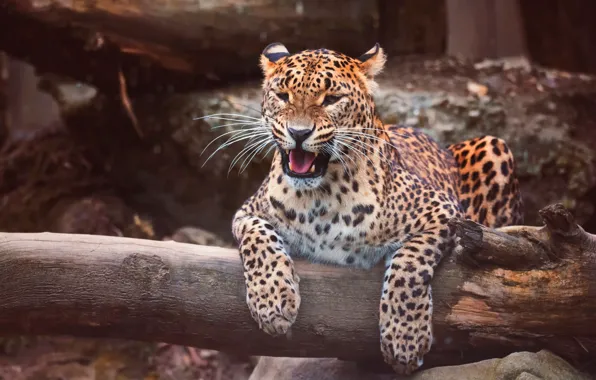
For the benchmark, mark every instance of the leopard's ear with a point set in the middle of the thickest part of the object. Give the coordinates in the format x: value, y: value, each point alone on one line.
x: 270, y: 55
x: 373, y: 61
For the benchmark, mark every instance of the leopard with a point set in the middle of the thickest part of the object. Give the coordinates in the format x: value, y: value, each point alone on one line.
x: 345, y: 189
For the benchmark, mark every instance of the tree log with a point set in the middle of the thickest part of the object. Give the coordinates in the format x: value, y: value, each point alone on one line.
x: 175, y: 45
x: 485, y: 29
x: 531, y: 288
x: 4, y: 119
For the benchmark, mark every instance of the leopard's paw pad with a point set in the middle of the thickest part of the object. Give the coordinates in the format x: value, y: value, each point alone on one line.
x: 273, y: 301
x: 404, y: 344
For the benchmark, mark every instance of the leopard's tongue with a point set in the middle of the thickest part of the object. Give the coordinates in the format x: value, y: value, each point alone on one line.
x: 301, y: 161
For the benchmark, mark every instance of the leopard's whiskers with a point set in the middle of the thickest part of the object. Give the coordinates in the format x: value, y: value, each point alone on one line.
x: 350, y: 147
x: 241, y: 135
x: 355, y: 138
x: 363, y: 145
x: 221, y: 115
x: 333, y: 151
x: 236, y: 133
x: 248, y: 147
x: 256, y: 151
x: 249, y: 129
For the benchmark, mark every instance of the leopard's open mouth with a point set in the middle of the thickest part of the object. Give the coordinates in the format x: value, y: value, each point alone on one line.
x: 300, y: 163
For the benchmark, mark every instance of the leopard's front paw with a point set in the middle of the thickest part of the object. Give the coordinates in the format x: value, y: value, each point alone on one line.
x: 273, y: 298
x: 405, y: 339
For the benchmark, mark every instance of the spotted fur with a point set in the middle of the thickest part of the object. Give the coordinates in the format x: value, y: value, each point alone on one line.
x: 386, y: 196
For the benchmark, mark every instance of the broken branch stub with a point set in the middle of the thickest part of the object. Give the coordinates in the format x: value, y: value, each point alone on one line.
x: 514, y: 249
x: 524, y: 247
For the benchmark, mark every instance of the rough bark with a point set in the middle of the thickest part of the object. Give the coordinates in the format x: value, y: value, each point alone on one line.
x: 485, y: 28
x: 3, y: 98
x: 101, y: 286
x: 412, y: 27
x: 175, y: 44
x: 561, y: 33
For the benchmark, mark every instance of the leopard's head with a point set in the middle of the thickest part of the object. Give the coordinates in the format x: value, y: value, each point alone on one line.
x: 318, y: 105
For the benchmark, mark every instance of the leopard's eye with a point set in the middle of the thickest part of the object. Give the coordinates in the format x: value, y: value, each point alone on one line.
x: 283, y: 96
x: 331, y: 99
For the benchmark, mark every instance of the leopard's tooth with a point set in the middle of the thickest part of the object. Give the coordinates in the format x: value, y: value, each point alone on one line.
x: 316, y: 154
x: 290, y: 165
x: 288, y: 152
x: 312, y: 169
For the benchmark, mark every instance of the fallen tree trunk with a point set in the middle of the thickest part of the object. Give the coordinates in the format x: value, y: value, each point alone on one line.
x: 4, y: 119
x: 175, y: 45
x: 480, y: 29
x: 530, y: 288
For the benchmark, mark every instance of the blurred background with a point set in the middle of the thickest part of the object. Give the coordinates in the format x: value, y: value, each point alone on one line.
x: 97, y: 130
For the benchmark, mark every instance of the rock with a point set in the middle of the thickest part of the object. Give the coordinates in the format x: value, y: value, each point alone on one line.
x: 270, y: 368
x: 527, y: 376
x: 517, y: 366
x: 546, y: 117
x: 542, y: 365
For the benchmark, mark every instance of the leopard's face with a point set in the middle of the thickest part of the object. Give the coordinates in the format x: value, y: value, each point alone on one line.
x: 317, y: 104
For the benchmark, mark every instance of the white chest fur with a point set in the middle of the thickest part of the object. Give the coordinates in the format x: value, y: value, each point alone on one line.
x: 326, y: 232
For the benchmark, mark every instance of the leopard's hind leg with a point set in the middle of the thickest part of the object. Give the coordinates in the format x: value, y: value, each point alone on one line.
x: 489, y: 191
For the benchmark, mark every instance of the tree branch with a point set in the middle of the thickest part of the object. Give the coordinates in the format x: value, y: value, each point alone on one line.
x: 174, y: 45
x: 194, y: 295
x: 524, y: 247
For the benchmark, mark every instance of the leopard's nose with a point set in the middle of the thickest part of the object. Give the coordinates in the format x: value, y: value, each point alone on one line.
x: 300, y: 135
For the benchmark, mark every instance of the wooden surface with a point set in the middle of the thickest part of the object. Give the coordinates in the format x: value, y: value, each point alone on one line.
x: 4, y: 119
x: 194, y: 295
x: 485, y: 29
